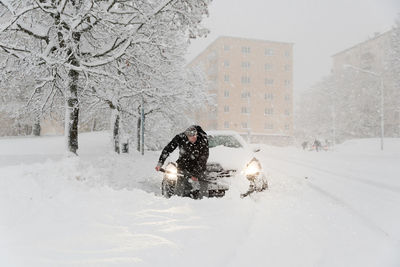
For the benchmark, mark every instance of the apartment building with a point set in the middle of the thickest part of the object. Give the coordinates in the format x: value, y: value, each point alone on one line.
x: 369, y: 55
x: 372, y: 57
x: 251, y: 82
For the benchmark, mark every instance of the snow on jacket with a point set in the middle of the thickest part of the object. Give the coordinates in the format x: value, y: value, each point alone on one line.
x: 192, y: 157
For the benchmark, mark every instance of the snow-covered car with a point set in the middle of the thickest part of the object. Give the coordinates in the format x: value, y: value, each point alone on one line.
x: 230, y: 157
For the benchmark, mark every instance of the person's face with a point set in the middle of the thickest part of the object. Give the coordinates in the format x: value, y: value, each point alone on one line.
x: 192, y: 139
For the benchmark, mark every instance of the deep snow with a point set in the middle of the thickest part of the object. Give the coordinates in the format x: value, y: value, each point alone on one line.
x: 335, y: 208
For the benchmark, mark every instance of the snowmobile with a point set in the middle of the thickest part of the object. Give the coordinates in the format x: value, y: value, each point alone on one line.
x: 191, y: 188
x: 216, y: 178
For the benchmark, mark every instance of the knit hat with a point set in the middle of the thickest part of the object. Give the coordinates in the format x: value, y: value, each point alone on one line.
x: 191, y: 131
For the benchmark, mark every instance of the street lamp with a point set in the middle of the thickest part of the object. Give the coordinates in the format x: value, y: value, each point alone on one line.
x: 379, y: 76
x: 248, y: 117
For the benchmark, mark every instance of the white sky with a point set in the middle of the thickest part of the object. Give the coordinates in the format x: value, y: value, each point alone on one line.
x: 318, y: 28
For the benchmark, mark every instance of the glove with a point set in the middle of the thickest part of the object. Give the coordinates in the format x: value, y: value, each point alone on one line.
x: 158, y: 167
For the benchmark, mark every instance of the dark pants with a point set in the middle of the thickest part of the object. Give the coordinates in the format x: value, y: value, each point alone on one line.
x: 183, y: 184
x: 203, y: 188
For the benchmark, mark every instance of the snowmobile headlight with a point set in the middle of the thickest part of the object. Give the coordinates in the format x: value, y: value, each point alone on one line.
x: 252, y: 169
x: 171, y: 172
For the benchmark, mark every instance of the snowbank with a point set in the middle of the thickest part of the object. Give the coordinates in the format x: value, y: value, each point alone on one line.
x: 335, y: 208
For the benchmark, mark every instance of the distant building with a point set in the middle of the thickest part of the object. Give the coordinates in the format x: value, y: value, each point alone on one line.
x: 252, y: 84
x: 369, y: 55
x: 374, y: 55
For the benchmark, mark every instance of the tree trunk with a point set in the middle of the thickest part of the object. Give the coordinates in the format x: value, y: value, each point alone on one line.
x: 72, y: 102
x: 116, y: 132
x: 72, y: 109
x: 36, y: 127
x: 93, y: 125
x: 139, y: 121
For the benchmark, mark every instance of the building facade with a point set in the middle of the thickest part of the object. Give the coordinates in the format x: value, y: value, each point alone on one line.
x: 369, y: 55
x: 251, y: 83
x: 373, y: 57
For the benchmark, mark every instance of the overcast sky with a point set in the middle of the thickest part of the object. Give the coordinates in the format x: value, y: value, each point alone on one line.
x: 318, y: 28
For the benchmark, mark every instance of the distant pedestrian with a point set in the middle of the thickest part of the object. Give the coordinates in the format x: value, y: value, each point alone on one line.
x: 327, y: 145
x: 304, y: 145
x: 317, y: 145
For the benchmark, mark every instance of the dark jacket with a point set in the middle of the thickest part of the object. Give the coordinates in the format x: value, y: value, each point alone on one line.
x: 192, y: 157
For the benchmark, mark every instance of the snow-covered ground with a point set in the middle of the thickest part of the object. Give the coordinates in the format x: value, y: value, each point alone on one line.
x: 335, y: 208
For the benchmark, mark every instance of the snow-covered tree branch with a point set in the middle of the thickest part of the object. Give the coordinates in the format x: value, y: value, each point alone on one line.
x: 83, y: 41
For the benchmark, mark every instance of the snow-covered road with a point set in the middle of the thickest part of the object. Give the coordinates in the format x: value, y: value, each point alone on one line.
x: 369, y: 189
x: 335, y: 208
x: 358, y: 193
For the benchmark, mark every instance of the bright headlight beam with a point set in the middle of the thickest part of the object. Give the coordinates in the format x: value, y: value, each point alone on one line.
x: 253, y: 168
x: 171, y: 172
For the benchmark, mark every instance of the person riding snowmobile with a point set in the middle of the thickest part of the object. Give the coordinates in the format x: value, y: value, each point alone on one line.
x: 193, y: 156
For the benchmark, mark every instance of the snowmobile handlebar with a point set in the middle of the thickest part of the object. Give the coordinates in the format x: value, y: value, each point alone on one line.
x: 168, y: 172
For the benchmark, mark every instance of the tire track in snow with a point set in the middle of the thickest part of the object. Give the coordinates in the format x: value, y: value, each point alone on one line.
x: 392, y: 188
x: 367, y: 221
x: 242, y: 240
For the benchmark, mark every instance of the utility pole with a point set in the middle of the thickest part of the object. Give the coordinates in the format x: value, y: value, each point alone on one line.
x: 142, y: 127
x: 381, y: 89
x: 382, y: 113
x: 333, y: 126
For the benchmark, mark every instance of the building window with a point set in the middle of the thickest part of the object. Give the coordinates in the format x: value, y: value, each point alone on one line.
x: 245, y: 64
x: 269, y: 81
x: 269, y: 96
x: 245, y: 79
x: 245, y: 94
x: 268, y: 126
x: 245, y: 49
x: 226, y: 124
x: 226, y: 93
x: 244, y: 125
x: 226, y: 63
x: 227, y: 47
x: 287, y: 82
x: 287, y: 126
x: 269, y: 52
x: 367, y: 60
x: 397, y: 115
x: 226, y: 109
x: 287, y: 97
x: 287, y: 113
x: 226, y: 78
x: 245, y: 110
x: 287, y: 67
x: 268, y: 111
x: 287, y: 53
x: 268, y: 67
